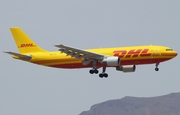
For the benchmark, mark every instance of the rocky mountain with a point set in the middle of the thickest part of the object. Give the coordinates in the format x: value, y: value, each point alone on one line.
x: 161, y: 105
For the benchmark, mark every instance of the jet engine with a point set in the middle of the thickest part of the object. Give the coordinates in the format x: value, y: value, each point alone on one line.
x: 126, y: 68
x: 111, y: 61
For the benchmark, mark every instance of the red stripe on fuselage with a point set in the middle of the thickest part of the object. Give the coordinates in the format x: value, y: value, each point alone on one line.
x: 123, y: 62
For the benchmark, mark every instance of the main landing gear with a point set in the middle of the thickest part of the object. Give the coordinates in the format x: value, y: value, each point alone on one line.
x: 94, y: 70
x: 101, y: 75
x: 157, y: 69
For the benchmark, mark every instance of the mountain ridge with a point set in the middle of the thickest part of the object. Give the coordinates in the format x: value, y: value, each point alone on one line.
x: 159, y: 105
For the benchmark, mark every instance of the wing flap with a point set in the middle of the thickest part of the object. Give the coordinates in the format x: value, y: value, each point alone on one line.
x: 77, y: 53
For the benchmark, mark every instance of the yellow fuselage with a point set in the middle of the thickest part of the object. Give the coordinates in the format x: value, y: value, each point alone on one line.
x: 133, y: 55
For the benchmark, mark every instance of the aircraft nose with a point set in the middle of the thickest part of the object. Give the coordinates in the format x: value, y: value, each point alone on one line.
x: 175, y: 54
x: 172, y: 54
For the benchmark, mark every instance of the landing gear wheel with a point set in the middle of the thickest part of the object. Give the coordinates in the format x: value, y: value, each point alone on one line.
x: 156, y: 69
x: 105, y: 75
x: 101, y: 75
x: 96, y: 71
x: 93, y: 71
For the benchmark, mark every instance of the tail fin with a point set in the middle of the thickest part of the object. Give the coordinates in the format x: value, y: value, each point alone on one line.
x: 23, y: 42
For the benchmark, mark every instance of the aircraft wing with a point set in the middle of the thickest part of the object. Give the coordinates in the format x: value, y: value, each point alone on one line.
x: 77, y: 53
x: 21, y: 56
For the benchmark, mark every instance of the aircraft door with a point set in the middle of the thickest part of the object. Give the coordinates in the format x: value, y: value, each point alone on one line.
x: 156, y: 51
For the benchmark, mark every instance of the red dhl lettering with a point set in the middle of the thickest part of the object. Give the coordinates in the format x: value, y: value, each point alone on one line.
x: 132, y: 53
x: 26, y: 45
x: 120, y: 53
x: 144, y: 53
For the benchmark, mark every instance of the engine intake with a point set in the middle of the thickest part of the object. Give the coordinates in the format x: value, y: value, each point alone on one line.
x: 126, y: 68
x: 111, y: 61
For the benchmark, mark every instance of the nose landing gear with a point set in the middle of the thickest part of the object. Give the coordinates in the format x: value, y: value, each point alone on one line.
x: 157, y: 69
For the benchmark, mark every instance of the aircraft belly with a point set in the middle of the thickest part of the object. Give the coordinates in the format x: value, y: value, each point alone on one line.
x: 123, y: 62
x: 68, y: 62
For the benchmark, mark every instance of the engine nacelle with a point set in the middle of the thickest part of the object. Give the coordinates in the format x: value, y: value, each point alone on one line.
x: 111, y: 61
x: 126, y: 68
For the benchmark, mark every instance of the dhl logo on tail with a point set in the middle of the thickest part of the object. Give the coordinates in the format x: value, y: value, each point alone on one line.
x: 132, y: 53
x: 26, y: 45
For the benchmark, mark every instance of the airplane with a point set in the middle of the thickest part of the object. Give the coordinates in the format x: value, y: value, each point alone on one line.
x: 123, y: 59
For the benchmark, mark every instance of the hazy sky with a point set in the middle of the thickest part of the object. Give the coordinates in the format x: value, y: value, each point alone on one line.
x: 29, y: 89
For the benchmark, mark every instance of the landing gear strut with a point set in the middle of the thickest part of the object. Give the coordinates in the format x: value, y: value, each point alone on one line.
x: 157, y: 69
x: 103, y: 74
x: 94, y: 70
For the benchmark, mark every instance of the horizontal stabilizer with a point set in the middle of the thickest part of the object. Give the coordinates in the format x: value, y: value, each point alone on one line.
x: 20, y: 56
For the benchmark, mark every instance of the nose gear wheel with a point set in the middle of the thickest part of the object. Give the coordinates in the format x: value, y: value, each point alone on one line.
x: 157, y: 69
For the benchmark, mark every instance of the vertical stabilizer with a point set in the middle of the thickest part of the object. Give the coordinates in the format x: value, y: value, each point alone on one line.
x: 23, y: 42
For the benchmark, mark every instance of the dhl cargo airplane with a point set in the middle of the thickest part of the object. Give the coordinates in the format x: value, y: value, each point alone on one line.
x: 123, y: 59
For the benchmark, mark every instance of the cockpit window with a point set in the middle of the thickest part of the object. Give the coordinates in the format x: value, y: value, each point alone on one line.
x: 169, y: 49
